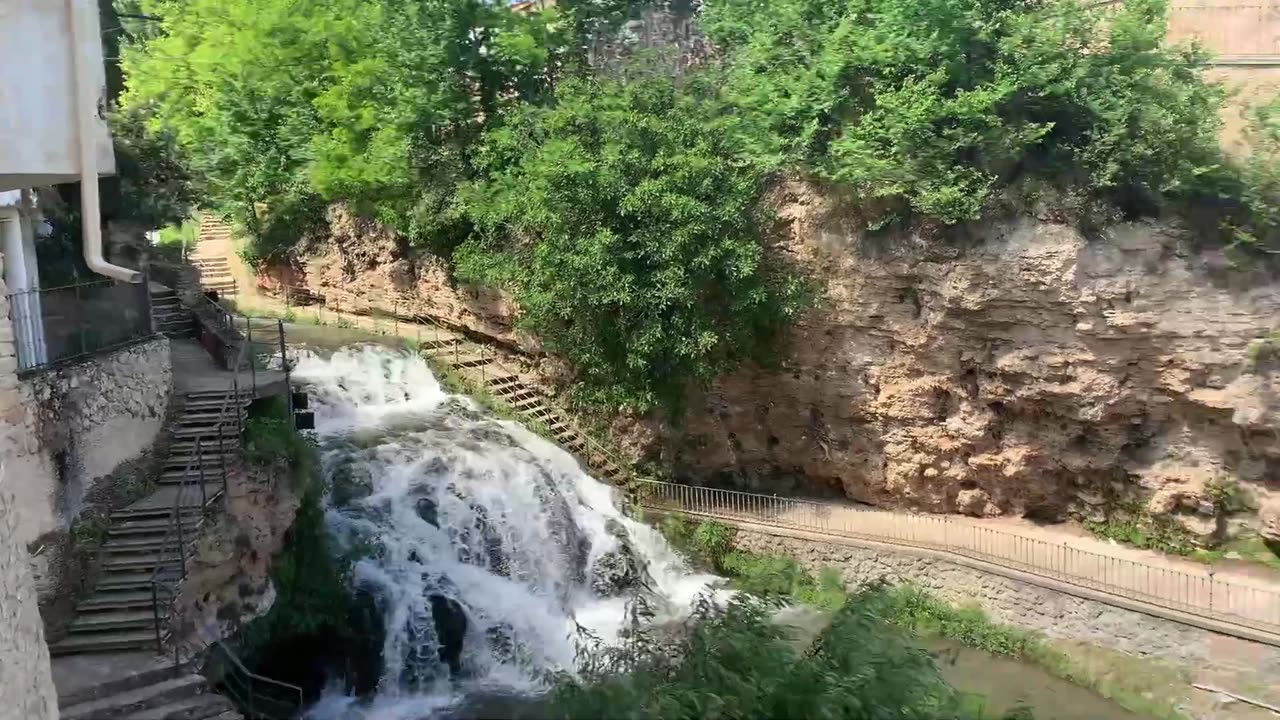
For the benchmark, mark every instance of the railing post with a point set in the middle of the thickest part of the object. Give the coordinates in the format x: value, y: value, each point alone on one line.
x: 80, y: 320
x: 253, y: 366
x: 146, y: 302
x: 204, y: 495
x: 155, y: 610
x: 284, y: 364
x: 222, y: 460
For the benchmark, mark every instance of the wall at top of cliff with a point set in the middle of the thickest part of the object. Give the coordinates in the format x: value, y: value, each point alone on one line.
x: 1023, y: 369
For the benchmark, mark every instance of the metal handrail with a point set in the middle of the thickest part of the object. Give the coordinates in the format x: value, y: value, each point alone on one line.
x: 1256, y: 609
x: 166, y: 590
x: 254, y: 692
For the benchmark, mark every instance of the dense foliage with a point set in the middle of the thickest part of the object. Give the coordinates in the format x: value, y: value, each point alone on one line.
x: 932, y: 106
x: 625, y: 208
x: 628, y: 226
x: 733, y: 661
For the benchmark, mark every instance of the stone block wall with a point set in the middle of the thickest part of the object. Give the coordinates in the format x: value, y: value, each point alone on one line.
x: 1058, y: 615
x: 73, y: 426
x: 26, y: 685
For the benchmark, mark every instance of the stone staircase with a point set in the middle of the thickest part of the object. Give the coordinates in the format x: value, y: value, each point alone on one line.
x: 211, y: 257
x: 480, y: 365
x: 169, y: 315
x: 118, y: 615
x: 162, y: 692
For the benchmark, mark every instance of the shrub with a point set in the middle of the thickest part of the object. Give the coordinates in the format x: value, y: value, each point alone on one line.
x: 932, y: 106
x: 632, y: 226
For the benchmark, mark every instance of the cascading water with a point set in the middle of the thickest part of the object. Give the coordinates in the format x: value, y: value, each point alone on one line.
x: 484, y: 548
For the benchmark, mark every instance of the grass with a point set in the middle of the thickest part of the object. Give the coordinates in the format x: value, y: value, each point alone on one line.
x: 1250, y: 549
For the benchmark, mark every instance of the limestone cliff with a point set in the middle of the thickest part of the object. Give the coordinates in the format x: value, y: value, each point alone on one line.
x: 1019, y: 369
x: 1015, y: 367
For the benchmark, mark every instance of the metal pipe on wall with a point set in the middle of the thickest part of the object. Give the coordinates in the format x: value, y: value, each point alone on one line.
x: 86, y: 108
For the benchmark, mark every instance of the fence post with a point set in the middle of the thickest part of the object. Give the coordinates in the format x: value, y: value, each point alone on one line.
x: 146, y: 302
x: 155, y: 612
x: 284, y: 364
x: 222, y: 461
x: 253, y: 365
x: 80, y: 320
x: 204, y: 495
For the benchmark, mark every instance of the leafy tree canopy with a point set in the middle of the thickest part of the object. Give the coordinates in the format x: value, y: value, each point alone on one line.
x: 931, y: 106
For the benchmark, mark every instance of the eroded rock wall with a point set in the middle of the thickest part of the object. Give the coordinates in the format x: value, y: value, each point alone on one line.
x: 228, y: 582
x: 1021, y: 368
x: 1014, y: 367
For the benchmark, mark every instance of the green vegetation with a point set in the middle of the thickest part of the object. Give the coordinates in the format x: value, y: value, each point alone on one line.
x: 624, y: 205
x: 1140, y: 686
x: 1129, y: 522
x: 732, y: 661
x: 270, y: 442
x: 933, y: 107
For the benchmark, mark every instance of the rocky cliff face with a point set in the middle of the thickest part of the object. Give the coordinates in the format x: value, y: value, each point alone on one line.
x: 1018, y: 369
x: 1023, y: 370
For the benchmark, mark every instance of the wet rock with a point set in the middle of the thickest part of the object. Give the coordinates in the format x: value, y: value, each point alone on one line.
x: 617, y: 571
x: 450, y: 622
x: 613, y: 573
x: 427, y: 510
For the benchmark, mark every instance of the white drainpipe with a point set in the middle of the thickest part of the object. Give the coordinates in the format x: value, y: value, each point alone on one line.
x: 86, y: 108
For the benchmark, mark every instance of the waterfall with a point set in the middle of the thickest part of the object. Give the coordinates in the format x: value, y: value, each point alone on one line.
x: 485, y: 548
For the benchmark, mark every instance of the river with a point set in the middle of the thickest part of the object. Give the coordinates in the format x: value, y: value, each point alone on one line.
x: 489, y: 552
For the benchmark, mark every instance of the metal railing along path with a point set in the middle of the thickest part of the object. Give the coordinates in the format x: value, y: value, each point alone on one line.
x: 62, y: 324
x: 1203, y: 595
x: 259, y: 696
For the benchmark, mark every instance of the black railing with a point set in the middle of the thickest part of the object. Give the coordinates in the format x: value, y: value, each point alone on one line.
x: 57, y: 325
x: 258, y: 696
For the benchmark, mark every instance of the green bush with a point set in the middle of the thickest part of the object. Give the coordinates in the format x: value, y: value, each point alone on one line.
x: 627, y: 223
x: 1259, y: 228
x: 733, y: 662
x: 1130, y: 523
x: 929, y: 107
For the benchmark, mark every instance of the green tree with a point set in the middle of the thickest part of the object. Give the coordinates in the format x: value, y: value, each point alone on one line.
x: 628, y: 225
x: 929, y: 107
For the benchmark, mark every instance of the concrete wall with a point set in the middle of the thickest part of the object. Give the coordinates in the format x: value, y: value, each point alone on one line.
x: 1211, y: 656
x: 80, y: 423
x: 26, y: 686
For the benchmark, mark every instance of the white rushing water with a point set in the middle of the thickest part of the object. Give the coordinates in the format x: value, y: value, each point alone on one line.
x: 458, y: 513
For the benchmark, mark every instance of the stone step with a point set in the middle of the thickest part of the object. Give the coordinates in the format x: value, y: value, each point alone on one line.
x: 128, y: 704
x: 139, y: 531
x: 116, y: 600
x: 204, y: 707
x: 110, y: 620
x: 120, y: 546
x: 143, y: 563
x: 157, y: 513
x: 102, y: 642
x: 158, y: 670
x: 501, y: 380
x: 128, y: 580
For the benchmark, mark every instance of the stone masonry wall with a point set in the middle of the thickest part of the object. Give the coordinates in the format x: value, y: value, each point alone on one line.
x: 26, y: 685
x: 1212, y: 657
x: 83, y: 421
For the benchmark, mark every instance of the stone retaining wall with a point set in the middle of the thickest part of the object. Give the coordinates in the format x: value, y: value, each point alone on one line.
x: 81, y: 422
x: 1247, y: 666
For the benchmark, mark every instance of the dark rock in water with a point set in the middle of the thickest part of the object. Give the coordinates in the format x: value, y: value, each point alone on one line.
x: 619, y: 570
x: 613, y: 573
x: 491, y: 555
x: 572, y: 544
x: 368, y: 633
x: 426, y: 509
x: 501, y: 644
x: 451, y: 629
